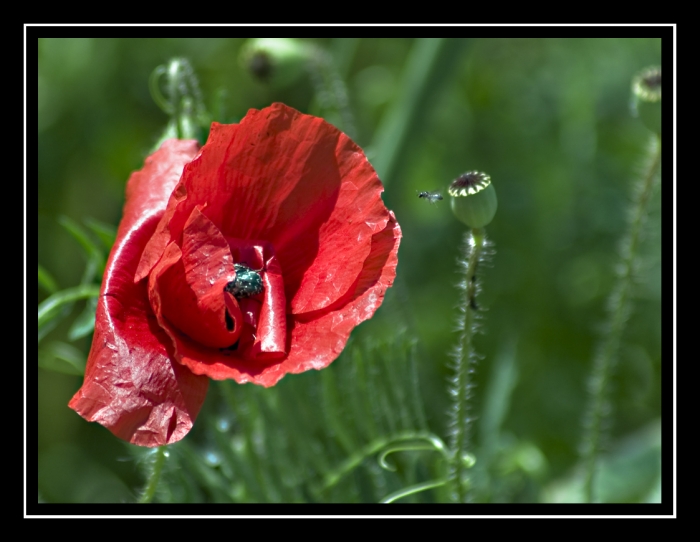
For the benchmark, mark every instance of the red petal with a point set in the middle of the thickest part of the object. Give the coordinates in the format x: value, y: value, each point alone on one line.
x: 187, y: 287
x: 151, y: 189
x: 180, y: 311
x: 291, y: 179
x: 264, y: 339
x: 131, y: 385
x: 270, y: 316
x: 318, y: 338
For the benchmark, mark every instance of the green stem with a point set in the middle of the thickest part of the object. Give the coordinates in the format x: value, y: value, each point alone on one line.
x: 459, y: 444
x: 619, y: 307
x: 374, y: 447
x: 154, y: 476
x: 405, y: 492
x: 183, y: 102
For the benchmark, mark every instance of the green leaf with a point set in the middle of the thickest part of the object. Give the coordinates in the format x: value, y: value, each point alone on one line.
x: 106, y: 233
x: 91, y: 269
x: 57, y: 305
x: 46, y: 281
x: 84, y: 324
x: 92, y: 251
x: 52, y: 317
x: 316, y: 436
x: 62, y: 357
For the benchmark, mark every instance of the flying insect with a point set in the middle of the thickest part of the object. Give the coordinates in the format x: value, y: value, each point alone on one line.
x: 432, y: 197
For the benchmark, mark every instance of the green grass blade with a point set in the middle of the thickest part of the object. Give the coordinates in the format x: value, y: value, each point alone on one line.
x: 106, y: 233
x: 62, y: 357
x: 48, y: 307
x: 84, y: 324
x: 46, y: 281
x: 92, y: 251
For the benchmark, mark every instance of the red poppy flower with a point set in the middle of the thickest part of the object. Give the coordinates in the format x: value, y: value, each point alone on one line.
x: 249, y: 259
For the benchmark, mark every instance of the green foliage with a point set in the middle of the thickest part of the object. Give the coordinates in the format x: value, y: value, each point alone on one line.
x: 429, y: 66
x: 629, y: 472
x: 95, y: 254
x: 62, y: 357
x: 354, y: 432
x: 619, y: 308
x: 46, y: 281
x: 104, y: 232
x: 57, y: 306
x: 547, y: 118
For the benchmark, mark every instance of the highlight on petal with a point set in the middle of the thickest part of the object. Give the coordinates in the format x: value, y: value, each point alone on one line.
x: 132, y: 385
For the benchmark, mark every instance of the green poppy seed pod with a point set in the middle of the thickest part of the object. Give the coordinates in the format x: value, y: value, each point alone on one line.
x: 473, y: 199
x: 278, y: 62
x: 646, y: 98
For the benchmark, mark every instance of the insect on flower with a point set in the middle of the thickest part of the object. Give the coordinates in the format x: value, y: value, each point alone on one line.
x: 247, y: 282
x: 432, y: 197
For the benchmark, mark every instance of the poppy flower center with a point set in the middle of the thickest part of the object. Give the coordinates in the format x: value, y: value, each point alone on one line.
x: 237, y: 309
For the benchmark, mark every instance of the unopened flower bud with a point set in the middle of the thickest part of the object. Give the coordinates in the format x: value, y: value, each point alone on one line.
x: 646, y: 98
x: 276, y: 61
x: 473, y: 199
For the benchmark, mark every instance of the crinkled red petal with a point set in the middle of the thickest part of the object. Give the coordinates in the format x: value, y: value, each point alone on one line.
x: 319, y: 338
x: 264, y: 339
x: 295, y: 181
x: 131, y: 384
x: 187, y: 286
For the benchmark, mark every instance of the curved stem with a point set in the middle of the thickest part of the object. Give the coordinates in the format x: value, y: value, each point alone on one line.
x: 461, y: 384
x: 619, y: 306
x: 408, y: 448
x: 332, y: 478
x: 156, y: 94
x: 154, y: 476
x: 405, y: 492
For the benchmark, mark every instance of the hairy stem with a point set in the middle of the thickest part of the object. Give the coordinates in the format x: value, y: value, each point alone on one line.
x: 463, y: 356
x: 619, y: 306
x: 154, y: 475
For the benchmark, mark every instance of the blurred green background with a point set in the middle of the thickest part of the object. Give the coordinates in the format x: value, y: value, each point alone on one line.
x: 548, y: 119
